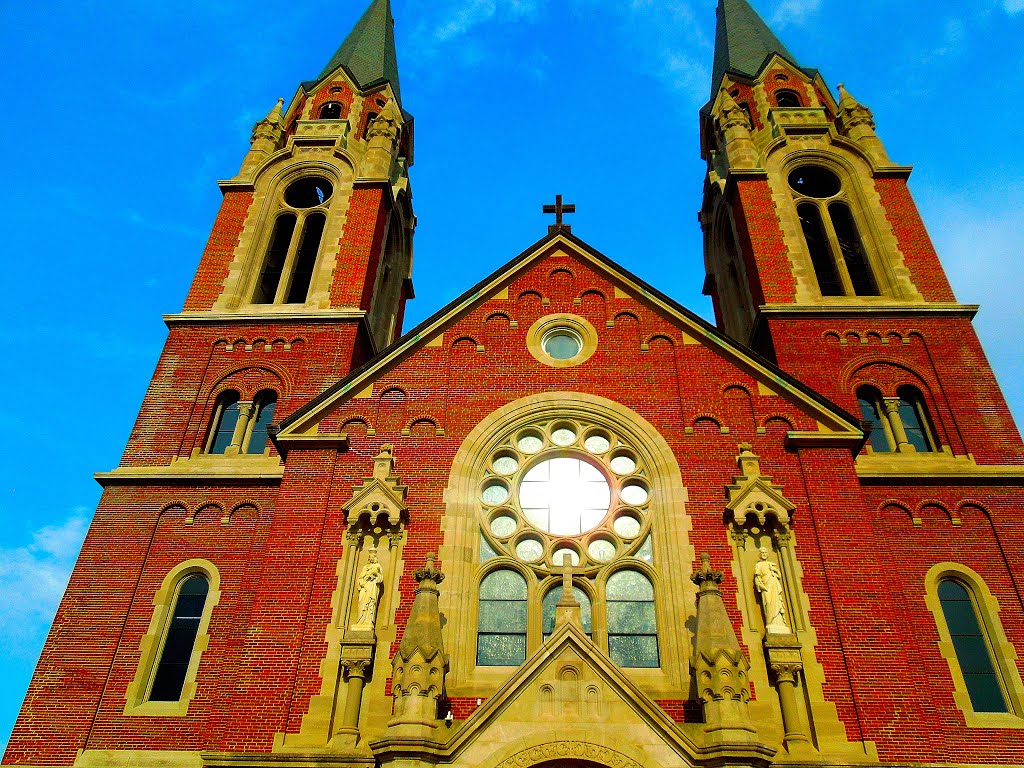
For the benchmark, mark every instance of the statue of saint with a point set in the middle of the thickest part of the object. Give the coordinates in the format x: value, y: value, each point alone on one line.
x: 768, y: 581
x: 368, y: 584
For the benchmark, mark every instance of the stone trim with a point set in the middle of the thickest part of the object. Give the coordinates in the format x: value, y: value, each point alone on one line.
x: 151, y: 646
x: 574, y: 323
x: 280, y: 313
x: 1004, y: 655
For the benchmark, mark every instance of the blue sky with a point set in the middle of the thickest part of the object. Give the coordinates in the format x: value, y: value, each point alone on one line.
x: 122, y: 115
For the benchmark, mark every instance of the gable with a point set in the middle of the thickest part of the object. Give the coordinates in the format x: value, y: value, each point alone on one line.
x: 482, y: 348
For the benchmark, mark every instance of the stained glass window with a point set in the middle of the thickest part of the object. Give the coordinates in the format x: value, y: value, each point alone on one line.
x: 632, y: 626
x: 971, y: 648
x: 551, y: 600
x: 501, y: 628
x: 180, y: 639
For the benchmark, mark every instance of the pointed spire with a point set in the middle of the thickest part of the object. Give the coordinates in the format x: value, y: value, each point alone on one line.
x: 742, y: 42
x: 368, y: 53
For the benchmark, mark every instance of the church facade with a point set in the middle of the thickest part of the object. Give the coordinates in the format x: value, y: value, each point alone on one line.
x: 564, y: 521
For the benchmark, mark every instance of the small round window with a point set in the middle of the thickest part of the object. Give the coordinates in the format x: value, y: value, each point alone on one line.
x: 308, y: 192
x: 562, y: 344
x: 814, y: 181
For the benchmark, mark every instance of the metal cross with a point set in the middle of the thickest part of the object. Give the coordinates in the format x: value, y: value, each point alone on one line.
x: 558, y: 209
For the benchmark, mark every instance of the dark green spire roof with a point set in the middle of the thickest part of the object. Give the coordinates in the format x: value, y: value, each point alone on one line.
x: 368, y: 52
x: 742, y: 42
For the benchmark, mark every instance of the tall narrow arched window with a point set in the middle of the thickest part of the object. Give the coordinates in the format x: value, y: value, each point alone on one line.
x: 332, y: 110
x: 915, y: 419
x: 290, y: 259
x: 840, y: 261
x: 179, y: 638
x: 972, y: 648
x: 873, y: 412
x: 222, y: 425
x: 501, y: 627
x: 551, y: 601
x: 632, y: 626
x: 263, y: 417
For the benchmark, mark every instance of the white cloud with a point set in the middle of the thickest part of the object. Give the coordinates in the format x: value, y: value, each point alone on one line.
x: 794, y: 12
x: 1013, y: 6
x: 32, y: 580
x: 461, y: 17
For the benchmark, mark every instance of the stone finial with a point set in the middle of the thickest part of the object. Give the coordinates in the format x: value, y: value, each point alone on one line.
x: 419, y: 665
x: 720, y: 666
x: 735, y: 126
x: 384, y: 462
x: 856, y: 121
x: 266, y: 135
x: 382, y: 143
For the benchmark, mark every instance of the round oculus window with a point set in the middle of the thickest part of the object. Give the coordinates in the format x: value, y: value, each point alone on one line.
x: 562, y: 344
x: 814, y: 181
x: 308, y: 192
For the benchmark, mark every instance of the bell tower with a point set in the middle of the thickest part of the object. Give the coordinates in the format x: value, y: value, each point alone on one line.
x: 307, y: 269
x: 817, y: 257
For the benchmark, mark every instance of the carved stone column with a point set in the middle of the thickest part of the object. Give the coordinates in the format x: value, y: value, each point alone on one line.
x: 244, y: 414
x: 357, y: 651
x: 785, y: 660
x: 899, y: 432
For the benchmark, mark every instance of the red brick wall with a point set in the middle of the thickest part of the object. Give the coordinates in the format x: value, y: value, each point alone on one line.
x: 918, y: 252
x: 360, y: 249
x: 861, y: 569
x: 220, y: 250
x: 941, y: 356
x: 197, y: 364
x: 762, y: 244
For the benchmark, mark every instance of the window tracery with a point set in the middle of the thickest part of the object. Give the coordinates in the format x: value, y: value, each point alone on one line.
x: 557, y: 492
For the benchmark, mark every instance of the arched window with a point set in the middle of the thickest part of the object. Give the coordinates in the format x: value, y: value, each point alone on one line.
x: 840, y: 261
x: 294, y: 243
x: 632, y: 626
x: 501, y: 627
x: 179, y: 638
x: 332, y: 110
x: 873, y: 411
x: 551, y: 601
x: 787, y: 98
x: 972, y: 648
x: 222, y: 426
x: 262, y: 417
x: 915, y: 419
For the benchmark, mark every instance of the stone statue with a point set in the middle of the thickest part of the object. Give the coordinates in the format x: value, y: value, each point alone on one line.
x: 768, y: 581
x: 368, y: 583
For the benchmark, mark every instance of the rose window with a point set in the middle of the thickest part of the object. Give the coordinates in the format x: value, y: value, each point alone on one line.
x: 565, y: 488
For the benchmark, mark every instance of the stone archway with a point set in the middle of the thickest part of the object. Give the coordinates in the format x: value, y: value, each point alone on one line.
x: 569, y: 754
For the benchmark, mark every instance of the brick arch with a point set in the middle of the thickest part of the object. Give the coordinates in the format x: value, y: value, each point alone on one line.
x: 739, y: 406
x: 422, y: 426
x: 251, y: 380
